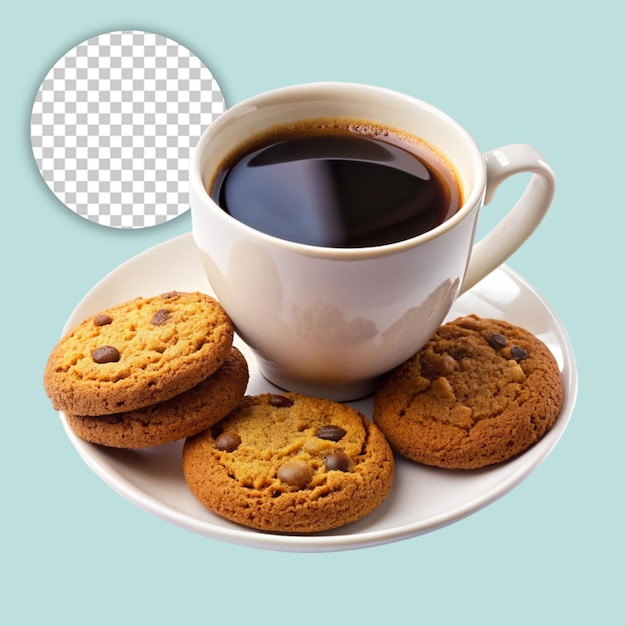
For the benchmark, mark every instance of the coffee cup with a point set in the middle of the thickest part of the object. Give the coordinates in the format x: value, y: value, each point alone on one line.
x: 329, y: 319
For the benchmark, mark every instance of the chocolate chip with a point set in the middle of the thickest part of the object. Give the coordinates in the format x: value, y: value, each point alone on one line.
x: 295, y: 473
x: 160, y: 317
x: 458, y: 353
x: 279, y: 401
x: 169, y: 295
x: 497, y: 341
x: 106, y: 354
x: 518, y: 353
x: 430, y: 372
x: 102, y: 320
x: 331, y: 432
x: 338, y: 461
x: 228, y: 441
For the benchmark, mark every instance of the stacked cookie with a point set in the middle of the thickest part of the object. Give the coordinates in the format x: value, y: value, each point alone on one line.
x: 148, y: 371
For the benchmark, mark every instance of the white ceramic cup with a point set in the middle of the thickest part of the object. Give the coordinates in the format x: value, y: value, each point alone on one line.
x: 330, y: 321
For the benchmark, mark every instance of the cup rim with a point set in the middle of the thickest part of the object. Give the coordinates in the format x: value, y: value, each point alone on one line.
x: 286, y: 93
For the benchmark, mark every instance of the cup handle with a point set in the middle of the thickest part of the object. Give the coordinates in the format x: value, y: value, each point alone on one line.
x: 520, y: 222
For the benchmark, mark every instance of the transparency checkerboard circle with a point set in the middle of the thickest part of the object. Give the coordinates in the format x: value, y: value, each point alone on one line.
x: 113, y: 125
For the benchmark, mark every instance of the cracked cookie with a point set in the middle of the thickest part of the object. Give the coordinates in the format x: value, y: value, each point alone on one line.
x: 184, y: 415
x: 480, y: 392
x: 137, y: 354
x: 290, y: 463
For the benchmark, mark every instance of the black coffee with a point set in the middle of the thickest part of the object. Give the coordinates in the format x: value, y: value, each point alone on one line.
x: 338, y: 185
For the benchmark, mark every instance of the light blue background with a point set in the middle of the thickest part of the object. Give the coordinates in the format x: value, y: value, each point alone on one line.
x: 549, y: 552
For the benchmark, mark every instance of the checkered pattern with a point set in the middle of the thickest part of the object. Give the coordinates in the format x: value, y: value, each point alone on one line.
x: 113, y: 124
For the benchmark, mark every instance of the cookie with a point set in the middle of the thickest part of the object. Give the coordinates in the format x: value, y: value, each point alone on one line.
x: 182, y: 416
x: 291, y: 464
x: 480, y: 392
x: 139, y: 353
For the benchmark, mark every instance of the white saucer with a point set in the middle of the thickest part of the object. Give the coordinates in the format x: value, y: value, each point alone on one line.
x: 422, y: 499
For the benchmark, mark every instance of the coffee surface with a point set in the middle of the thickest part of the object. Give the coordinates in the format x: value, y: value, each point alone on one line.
x: 337, y: 186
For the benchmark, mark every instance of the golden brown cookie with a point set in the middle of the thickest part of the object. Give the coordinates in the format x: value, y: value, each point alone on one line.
x: 136, y: 354
x: 481, y: 391
x: 182, y: 416
x: 290, y: 463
